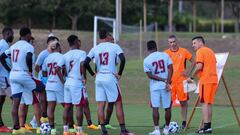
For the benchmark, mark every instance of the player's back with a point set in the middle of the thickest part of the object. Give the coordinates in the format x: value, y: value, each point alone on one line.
x: 52, y: 61
x: 40, y: 59
x: 105, y: 55
x: 73, y: 59
x: 19, y: 52
x: 3, y: 47
x: 157, y: 63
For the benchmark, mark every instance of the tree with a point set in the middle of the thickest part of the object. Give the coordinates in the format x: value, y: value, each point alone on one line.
x: 236, y: 11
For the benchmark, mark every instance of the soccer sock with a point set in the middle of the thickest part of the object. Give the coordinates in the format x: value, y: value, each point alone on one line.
x: 71, y: 126
x: 209, y: 124
x: 104, y: 130
x: 52, y: 126
x: 106, y: 122
x: 1, y: 123
x: 123, y: 128
x: 44, y: 114
x: 65, y: 128
x: 184, y: 123
x: 16, y: 127
x: 156, y: 128
x: 205, y: 126
x: 79, y: 129
x: 89, y: 122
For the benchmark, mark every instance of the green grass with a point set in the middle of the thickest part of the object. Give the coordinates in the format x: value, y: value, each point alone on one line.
x: 135, y: 91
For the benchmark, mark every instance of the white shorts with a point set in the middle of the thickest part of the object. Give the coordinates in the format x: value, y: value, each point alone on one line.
x: 160, y: 95
x: 106, y: 91
x: 74, y: 95
x: 19, y: 86
x: 57, y: 96
x: 27, y: 98
x: 5, y: 87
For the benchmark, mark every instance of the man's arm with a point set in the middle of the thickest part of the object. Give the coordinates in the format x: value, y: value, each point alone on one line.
x: 59, y: 73
x: 190, y: 69
x: 88, y: 67
x: 150, y: 76
x: 83, y: 72
x: 122, y: 63
x: 198, y: 68
x: 170, y: 73
x: 3, y: 62
x: 37, y: 68
x: 29, y: 61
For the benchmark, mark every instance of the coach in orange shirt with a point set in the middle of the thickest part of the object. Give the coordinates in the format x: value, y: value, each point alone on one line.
x: 179, y: 57
x: 207, y: 72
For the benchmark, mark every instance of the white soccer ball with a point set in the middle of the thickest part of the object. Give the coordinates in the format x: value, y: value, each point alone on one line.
x: 173, y: 127
x: 45, y: 128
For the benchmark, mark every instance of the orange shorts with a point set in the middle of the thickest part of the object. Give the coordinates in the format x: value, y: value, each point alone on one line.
x: 178, y: 92
x: 207, y: 92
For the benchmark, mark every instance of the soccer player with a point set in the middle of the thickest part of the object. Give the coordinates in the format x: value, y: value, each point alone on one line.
x: 179, y: 56
x: 106, y: 82
x: 22, y: 56
x: 7, y: 34
x: 74, y: 88
x: 158, y: 67
x: 207, y: 72
x: 53, y: 69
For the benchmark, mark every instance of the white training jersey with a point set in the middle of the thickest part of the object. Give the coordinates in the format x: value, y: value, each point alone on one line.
x: 73, y: 59
x: 50, y: 64
x: 40, y: 59
x: 3, y: 47
x: 105, y: 55
x: 18, y: 53
x: 157, y: 63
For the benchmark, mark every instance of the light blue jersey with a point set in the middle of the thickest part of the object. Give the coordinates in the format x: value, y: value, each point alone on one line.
x: 3, y: 47
x: 40, y: 59
x: 157, y: 63
x: 105, y: 55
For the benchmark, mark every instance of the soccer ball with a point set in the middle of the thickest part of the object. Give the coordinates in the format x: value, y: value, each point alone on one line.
x: 45, y: 128
x: 173, y: 127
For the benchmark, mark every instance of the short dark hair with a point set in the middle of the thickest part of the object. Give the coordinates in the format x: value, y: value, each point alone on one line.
x: 103, y: 33
x: 52, y: 38
x: 7, y: 29
x: 199, y: 38
x: 172, y: 36
x: 24, y: 31
x: 72, y: 39
x: 151, y: 45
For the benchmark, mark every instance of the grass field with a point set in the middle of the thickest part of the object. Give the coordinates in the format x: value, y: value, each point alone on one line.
x: 135, y: 91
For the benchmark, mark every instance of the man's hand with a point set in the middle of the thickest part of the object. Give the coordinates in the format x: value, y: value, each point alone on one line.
x: 168, y: 87
x: 85, y: 81
x: 190, y: 80
x: 184, y: 74
x: 117, y: 76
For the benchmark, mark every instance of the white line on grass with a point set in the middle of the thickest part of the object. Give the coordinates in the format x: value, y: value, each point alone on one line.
x: 226, y: 125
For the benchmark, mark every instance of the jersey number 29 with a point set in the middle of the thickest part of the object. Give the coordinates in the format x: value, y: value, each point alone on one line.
x: 159, y: 65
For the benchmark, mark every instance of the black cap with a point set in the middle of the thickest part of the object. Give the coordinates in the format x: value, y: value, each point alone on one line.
x: 24, y: 31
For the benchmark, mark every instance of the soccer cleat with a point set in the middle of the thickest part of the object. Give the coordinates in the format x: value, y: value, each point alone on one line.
x: 204, y: 131
x: 99, y: 126
x: 165, y: 131
x: 5, y: 129
x: 126, y: 133
x: 72, y: 131
x: 44, y: 120
x: 183, y: 126
x: 33, y: 124
x: 94, y: 127
x: 155, y: 132
x: 18, y: 131
x: 28, y: 127
x: 81, y: 133
x: 38, y: 130
x: 53, y: 131
x: 108, y: 126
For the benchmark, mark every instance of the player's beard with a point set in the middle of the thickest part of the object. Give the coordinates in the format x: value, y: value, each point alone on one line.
x: 9, y: 39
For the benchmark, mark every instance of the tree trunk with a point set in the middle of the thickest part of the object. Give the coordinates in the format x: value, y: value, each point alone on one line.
x: 29, y: 22
x: 194, y: 15
x: 145, y: 15
x: 170, y: 15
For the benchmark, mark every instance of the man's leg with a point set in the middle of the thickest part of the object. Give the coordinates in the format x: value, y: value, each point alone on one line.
x: 50, y: 113
x: 101, y: 116
x: 15, y: 106
x: 87, y: 114
x: 79, y: 111
x: 67, y: 108
x: 184, y: 106
x: 43, y: 103
x: 168, y: 116
x: 2, y: 100
x: 109, y: 112
x: 23, y: 109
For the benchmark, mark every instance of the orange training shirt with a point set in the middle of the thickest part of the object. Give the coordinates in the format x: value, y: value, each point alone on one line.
x: 179, y: 58
x: 207, y: 57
